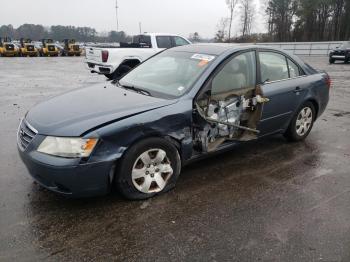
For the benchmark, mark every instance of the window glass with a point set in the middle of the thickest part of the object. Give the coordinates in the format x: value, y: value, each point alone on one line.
x: 239, y: 73
x: 143, y: 39
x: 345, y: 45
x: 293, y: 69
x: 273, y: 66
x: 164, y: 42
x: 169, y: 74
x: 179, y: 41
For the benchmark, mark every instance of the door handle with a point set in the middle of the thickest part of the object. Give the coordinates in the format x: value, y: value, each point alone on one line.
x: 297, y: 89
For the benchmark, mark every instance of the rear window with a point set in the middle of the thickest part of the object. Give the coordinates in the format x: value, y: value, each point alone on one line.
x: 142, y: 39
x: 164, y: 41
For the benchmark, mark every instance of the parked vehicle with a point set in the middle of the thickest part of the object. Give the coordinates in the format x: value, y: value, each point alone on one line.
x: 48, y: 48
x: 70, y: 48
x: 180, y: 105
x: 341, y: 53
x: 27, y: 48
x: 115, y: 61
x: 7, y: 48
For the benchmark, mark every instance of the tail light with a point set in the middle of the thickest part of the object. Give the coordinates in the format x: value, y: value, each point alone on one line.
x: 328, y: 81
x: 104, y: 56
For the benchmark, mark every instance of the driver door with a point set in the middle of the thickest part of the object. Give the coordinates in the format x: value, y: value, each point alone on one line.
x: 230, y: 105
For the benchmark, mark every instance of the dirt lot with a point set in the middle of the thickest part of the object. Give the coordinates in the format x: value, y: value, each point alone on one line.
x: 266, y: 201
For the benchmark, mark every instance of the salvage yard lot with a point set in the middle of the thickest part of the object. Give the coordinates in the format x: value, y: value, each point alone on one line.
x: 263, y: 201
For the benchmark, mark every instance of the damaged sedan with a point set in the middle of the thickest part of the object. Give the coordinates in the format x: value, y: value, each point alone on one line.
x: 183, y: 104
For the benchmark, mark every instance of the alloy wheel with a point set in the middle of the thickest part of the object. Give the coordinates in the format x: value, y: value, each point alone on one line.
x: 304, y: 121
x: 151, y: 171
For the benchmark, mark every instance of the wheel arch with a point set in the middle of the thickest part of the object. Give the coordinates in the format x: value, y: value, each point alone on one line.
x: 131, y: 62
x: 175, y: 142
x: 315, y: 104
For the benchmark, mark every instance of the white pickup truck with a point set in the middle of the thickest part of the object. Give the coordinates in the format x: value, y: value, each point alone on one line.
x: 116, y: 61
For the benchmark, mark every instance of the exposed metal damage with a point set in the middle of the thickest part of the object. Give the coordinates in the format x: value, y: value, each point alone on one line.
x: 229, y: 116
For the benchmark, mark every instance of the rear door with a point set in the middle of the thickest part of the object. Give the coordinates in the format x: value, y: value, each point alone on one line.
x: 283, y: 85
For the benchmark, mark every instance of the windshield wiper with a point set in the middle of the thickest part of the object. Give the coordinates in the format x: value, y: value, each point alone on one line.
x: 136, y: 89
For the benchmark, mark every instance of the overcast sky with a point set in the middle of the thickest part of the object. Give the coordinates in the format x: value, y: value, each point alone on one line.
x: 178, y: 16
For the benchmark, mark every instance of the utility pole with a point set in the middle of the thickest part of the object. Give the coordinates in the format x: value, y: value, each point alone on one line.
x: 116, y: 12
x: 140, y: 27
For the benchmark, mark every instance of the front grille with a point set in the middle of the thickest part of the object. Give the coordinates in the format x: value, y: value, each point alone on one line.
x: 76, y: 48
x: 26, y: 134
x: 30, y: 47
x: 10, y: 47
x: 51, y: 48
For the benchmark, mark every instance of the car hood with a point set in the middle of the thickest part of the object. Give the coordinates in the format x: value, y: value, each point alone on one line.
x: 74, y: 113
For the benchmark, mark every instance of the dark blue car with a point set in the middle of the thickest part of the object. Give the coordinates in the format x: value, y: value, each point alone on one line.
x: 182, y: 104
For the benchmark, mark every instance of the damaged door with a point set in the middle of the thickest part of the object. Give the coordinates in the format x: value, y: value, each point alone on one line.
x: 229, y: 107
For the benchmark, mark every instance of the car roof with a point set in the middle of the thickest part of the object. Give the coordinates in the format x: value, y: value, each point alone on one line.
x: 159, y: 34
x: 218, y: 48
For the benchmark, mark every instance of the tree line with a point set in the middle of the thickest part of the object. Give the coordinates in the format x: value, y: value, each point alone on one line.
x: 59, y: 32
x: 306, y: 20
x: 285, y: 20
x: 288, y: 20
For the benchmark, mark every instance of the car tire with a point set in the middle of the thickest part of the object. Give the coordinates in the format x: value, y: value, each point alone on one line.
x: 119, y: 73
x: 302, y: 123
x: 139, y: 175
x: 331, y: 60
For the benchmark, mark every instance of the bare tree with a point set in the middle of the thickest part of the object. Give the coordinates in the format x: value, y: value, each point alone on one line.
x: 221, y: 30
x: 247, y: 16
x: 195, y: 37
x: 231, y: 6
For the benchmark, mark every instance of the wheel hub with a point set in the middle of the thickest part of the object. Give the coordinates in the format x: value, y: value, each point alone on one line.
x: 151, y: 171
x: 304, y: 121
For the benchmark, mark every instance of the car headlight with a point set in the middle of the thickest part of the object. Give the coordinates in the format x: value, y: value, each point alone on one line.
x: 67, y: 147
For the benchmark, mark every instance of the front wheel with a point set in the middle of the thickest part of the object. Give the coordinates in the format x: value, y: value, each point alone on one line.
x: 148, y: 168
x: 331, y: 60
x: 302, y: 123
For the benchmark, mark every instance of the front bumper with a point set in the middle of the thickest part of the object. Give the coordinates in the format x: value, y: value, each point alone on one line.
x: 338, y: 57
x: 51, y: 53
x: 10, y: 53
x: 70, y: 177
x: 30, y: 53
x: 72, y: 53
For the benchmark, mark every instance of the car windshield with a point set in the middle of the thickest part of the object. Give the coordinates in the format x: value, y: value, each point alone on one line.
x: 169, y: 74
x: 345, y: 45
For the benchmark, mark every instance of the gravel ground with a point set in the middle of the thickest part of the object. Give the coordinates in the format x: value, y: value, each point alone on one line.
x: 263, y: 201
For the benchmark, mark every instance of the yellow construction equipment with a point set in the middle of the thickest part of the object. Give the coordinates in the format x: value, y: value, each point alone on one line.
x: 27, y: 48
x: 7, y: 48
x: 48, y: 48
x: 70, y: 48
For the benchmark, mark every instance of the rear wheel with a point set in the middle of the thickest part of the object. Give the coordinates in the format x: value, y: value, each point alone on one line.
x: 331, y: 60
x: 148, y: 168
x: 302, y: 123
x: 119, y: 73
